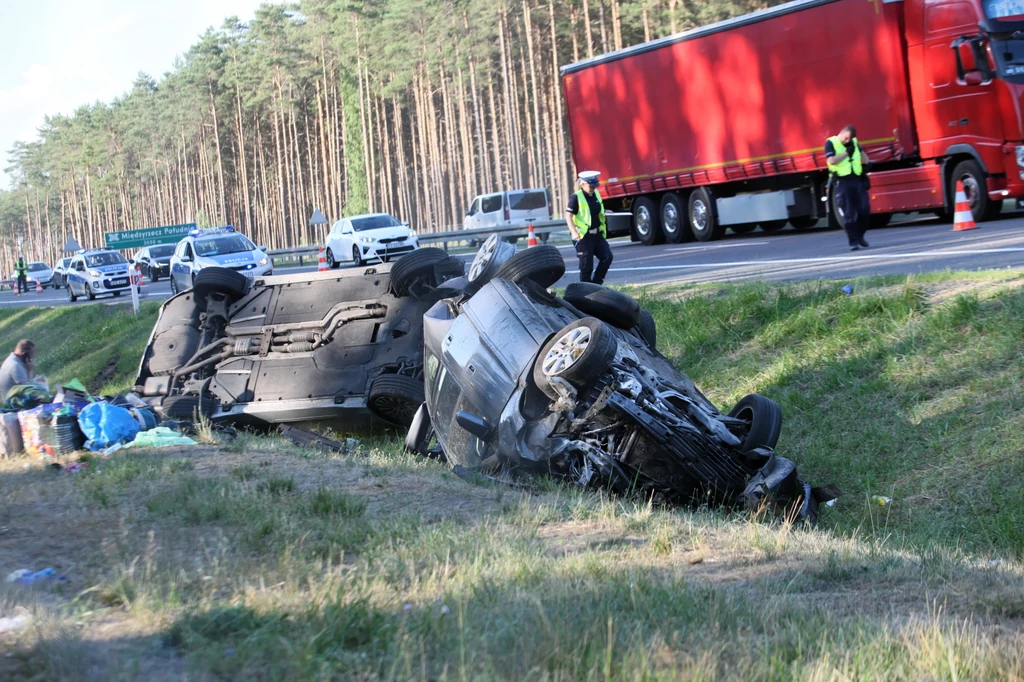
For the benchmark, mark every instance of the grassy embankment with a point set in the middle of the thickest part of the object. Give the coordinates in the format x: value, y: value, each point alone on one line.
x: 254, y: 560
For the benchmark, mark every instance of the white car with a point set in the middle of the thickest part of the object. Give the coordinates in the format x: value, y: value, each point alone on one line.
x: 216, y: 247
x: 95, y: 272
x: 368, y: 237
x: 513, y: 207
x: 60, y: 272
x: 38, y: 271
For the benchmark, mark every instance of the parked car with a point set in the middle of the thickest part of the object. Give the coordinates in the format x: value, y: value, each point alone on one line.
x: 155, y: 261
x: 508, y: 208
x: 216, y: 247
x: 341, y: 349
x: 97, y: 272
x: 523, y: 380
x: 362, y: 238
x: 60, y: 272
x: 38, y: 271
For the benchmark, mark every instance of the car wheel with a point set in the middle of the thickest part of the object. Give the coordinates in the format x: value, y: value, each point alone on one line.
x: 488, y: 260
x: 541, y: 264
x: 153, y: 276
x: 71, y: 294
x: 673, y: 224
x: 647, y: 221
x: 411, y: 270
x: 228, y: 283
x: 579, y: 354
x: 773, y: 225
x: 187, y: 407
x: 89, y: 294
x: 419, y: 430
x: 765, y: 417
x: 331, y: 263
x: 647, y: 328
x: 704, y: 216
x: 395, y: 398
x: 609, y: 305
x: 357, y: 257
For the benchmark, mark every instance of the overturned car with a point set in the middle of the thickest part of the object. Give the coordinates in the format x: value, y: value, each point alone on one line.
x: 520, y: 379
x: 341, y: 349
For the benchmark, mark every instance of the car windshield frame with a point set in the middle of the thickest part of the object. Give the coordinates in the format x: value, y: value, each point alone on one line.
x: 374, y: 222
x: 154, y: 254
x: 226, y: 239
x: 99, y: 260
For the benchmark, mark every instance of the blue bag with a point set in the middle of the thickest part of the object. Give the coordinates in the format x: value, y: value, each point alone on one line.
x: 105, y: 425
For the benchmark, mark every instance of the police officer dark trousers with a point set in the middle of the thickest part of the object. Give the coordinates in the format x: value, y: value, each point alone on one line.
x: 22, y: 270
x: 846, y: 163
x: 589, y: 229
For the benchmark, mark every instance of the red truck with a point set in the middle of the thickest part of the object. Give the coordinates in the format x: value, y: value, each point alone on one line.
x: 724, y: 126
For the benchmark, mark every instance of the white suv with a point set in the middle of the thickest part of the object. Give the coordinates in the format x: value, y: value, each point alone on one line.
x: 96, y: 272
x: 368, y: 237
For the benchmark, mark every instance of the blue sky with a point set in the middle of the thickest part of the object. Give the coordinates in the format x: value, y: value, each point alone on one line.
x: 56, y: 55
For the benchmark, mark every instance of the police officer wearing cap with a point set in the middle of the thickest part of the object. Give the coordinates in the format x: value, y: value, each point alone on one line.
x: 589, y: 228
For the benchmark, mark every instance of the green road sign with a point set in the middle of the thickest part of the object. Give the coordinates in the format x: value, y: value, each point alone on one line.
x: 148, y: 236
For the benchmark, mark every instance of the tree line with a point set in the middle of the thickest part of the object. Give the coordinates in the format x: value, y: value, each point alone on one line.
x: 411, y: 107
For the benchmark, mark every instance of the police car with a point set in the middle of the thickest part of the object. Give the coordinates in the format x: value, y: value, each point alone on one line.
x: 218, y: 246
x: 95, y: 272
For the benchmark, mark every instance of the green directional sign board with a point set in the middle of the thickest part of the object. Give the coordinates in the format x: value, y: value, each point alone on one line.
x: 147, y: 236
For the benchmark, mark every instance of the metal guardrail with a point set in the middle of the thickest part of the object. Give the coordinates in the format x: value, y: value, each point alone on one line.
x: 448, y: 239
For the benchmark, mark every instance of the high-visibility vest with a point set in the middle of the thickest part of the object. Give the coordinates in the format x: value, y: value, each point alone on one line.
x: 21, y: 268
x: 582, y: 216
x: 851, y: 164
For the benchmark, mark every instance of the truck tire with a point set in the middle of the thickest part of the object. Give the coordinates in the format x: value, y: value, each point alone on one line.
x: 579, y: 354
x: 803, y: 222
x: 877, y: 221
x: 395, y: 398
x: 703, y: 216
x: 609, y: 305
x: 673, y: 224
x: 541, y: 264
x: 743, y: 228
x: 765, y: 418
x: 409, y: 270
x: 976, y: 188
x: 219, y: 281
x: 772, y: 225
x: 647, y: 221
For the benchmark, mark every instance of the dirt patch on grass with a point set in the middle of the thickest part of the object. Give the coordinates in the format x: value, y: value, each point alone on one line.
x: 940, y: 292
x: 105, y: 375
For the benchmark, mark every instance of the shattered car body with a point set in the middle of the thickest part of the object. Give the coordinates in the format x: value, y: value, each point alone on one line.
x: 520, y: 379
x: 341, y: 349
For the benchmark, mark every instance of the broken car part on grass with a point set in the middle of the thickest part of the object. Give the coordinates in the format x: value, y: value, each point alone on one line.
x: 338, y: 349
x: 519, y: 379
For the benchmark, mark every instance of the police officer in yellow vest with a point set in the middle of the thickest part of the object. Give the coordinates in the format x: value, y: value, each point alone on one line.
x: 846, y: 163
x: 21, y: 270
x: 589, y: 228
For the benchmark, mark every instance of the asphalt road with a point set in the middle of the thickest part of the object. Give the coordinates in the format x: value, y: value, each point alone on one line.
x: 910, y: 247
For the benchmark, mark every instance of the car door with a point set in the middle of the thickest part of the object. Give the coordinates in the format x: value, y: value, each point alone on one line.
x: 346, y: 239
x: 79, y: 278
x: 491, y: 210
x: 180, y: 268
x: 470, y: 221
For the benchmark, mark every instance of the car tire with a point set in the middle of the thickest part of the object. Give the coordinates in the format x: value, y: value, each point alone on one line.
x: 395, y: 398
x: 673, y: 219
x: 647, y: 221
x: 89, y: 293
x: 153, y: 276
x: 765, y: 417
x: 215, y: 280
x: 331, y: 262
x: 543, y: 265
x: 647, y: 328
x: 609, y: 305
x: 419, y: 430
x: 580, y: 354
x: 187, y: 407
x: 71, y: 294
x: 773, y: 225
x: 412, y: 268
x: 357, y: 257
x: 492, y: 254
x: 703, y: 216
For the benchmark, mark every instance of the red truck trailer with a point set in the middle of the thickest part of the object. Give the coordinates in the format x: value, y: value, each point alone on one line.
x: 724, y: 126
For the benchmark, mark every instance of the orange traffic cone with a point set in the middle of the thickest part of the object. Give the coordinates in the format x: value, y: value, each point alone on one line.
x: 963, y: 219
x: 322, y: 265
x: 138, y: 275
x: 531, y: 238
x: 39, y: 287
x: 17, y: 289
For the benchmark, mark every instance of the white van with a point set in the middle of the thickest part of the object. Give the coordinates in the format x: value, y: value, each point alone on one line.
x: 507, y: 208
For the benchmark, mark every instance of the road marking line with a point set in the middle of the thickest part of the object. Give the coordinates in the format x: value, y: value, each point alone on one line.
x: 702, y: 247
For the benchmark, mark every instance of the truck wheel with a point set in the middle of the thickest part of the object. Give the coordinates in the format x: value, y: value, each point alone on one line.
x: 614, y: 307
x: 647, y: 221
x: 743, y: 228
x: 975, y: 187
x: 703, y: 216
x: 879, y: 220
x: 672, y: 222
x: 773, y: 225
x: 579, y: 354
x: 803, y: 222
x: 395, y: 398
x: 413, y: 268
x: 541, y: 264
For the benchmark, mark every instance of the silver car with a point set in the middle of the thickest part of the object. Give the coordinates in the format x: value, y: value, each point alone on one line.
x: 519, y: 379
x: 96, y: 272
x: 38, y: 271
